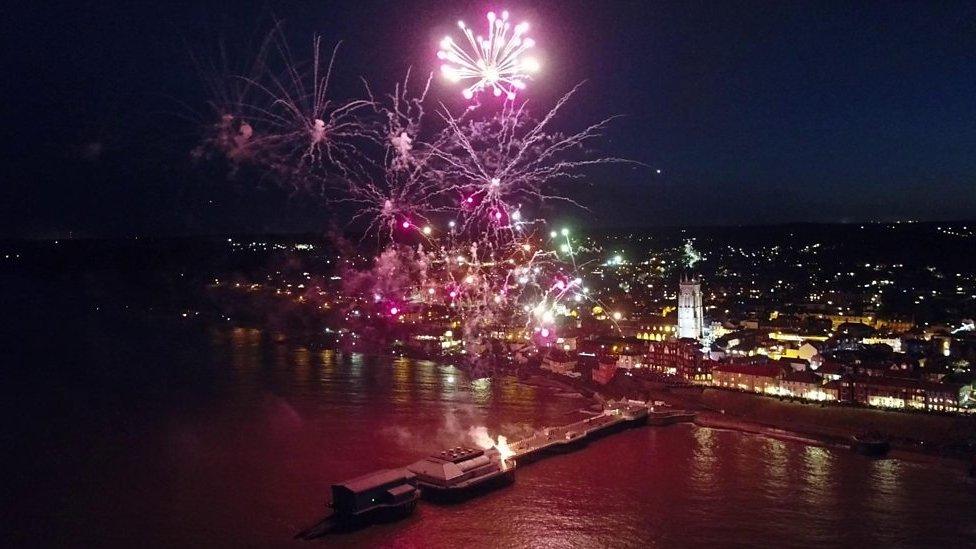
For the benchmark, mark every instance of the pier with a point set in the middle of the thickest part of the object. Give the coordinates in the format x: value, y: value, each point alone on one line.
x: 615, y: 416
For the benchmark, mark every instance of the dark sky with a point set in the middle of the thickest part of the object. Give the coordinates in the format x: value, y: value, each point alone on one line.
x: 757, y: 112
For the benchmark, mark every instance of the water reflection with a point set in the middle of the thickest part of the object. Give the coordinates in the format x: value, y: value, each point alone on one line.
x: 482, y: 390
x: 244, y: 352
x: 327, y: 362
x: 705, y: 460
x: 402, y: 381
x: 776, y: 460
x: 885, y: 479
x: 675, y: 486
x: 302, y: 359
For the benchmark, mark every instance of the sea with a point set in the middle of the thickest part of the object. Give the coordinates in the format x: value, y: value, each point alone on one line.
x: 135, y: 431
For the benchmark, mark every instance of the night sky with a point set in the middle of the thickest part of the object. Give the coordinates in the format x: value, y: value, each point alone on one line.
x: 756, y: 112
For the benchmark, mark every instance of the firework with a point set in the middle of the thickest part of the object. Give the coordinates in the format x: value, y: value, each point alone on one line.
x: 691, y: 255
x: 453, y: 199
x: 308, y: 129
x: 226, y: 129
x: 461, y: 198
x: 398, y: 194
x: 498, y: 164
x: 280, y: 116
x: 495, y: 62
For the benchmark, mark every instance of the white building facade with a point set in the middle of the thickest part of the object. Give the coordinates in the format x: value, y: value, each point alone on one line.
x: 690, y: 308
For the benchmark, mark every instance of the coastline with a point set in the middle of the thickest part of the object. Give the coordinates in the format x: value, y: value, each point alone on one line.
x: 922, y: 437
x: 914, y: 437
x: 712, y: 420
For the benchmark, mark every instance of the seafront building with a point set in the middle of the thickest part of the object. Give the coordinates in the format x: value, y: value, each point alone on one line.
x: 853, y: 364
x: 748, y: 376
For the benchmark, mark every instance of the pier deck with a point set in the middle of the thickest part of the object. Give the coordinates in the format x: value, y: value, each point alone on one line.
x: 564, y: 437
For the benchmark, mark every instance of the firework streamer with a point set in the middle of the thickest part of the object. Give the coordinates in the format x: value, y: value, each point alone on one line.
x: 310, y: 130
x: 227, y: 132
x: 501, y: 162
x: 396, y: 193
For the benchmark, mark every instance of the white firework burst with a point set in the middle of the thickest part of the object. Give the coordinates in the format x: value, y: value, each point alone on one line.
x: 495, y: 62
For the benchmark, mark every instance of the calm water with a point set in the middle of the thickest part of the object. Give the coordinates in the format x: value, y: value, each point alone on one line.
x: 130, y: 434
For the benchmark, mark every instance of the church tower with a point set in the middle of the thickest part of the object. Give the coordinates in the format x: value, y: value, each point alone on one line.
x: 689, y: 308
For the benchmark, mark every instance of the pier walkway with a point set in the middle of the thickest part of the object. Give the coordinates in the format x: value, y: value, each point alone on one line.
x: 572, y: 435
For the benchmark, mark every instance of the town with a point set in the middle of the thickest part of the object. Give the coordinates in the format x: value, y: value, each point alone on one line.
x: 827, y: 319
x: 876, y: 315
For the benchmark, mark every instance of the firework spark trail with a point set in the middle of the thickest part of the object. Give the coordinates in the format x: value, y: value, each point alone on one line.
x: 397, y: 192
x: 404, y: 118
x: 511, y: 157
x: 480, y: 171
x: 306, y: 133
x: 279, y: 116
x: 227, y: 131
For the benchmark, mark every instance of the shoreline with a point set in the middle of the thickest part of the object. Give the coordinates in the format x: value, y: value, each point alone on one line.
x: 823, y: 430
x: 818, y: 430
x: 712, y: 420
x: 715, y: 421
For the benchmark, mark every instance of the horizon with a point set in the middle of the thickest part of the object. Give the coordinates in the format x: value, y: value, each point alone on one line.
x: 752, y: 112
x: 582, y: 229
